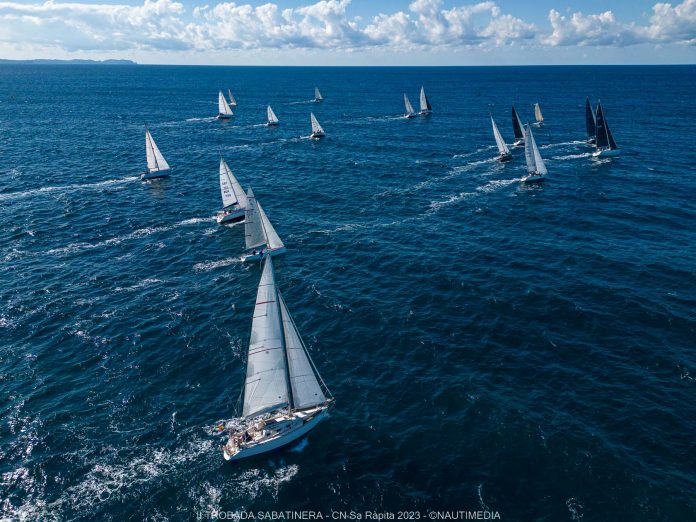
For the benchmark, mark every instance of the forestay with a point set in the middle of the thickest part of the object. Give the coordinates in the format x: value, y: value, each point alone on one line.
x: 424, y: 102
x: 517, y: 125
x: 537, y: 113
x: 316, y: 128
x: 155, y: 160
x: 407, y: 103
x: 535, y: 164
x: 230, y: 188
x: 272, y: 239
x: 590, y: 123
x: 317, y: 94
x: 253, y: 229
x: 223, y: 107
x: 272, y: 118
x: 502, y: 146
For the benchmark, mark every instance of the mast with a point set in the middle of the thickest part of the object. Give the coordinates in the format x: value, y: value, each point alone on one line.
x: 233, y: 102
x: 316, y: 128
x: 517, y: 125
x: 230, y: 187
x: 272, y: 118
x: 502, y: 146
x: 317, y: 94
x: 155, y: 160
x: 528, y: 152
x: 407, y: 103
x: 424, y: 102
x: 602, y: 135
x: 223, y: 106
x: 537, y: 113
x: 590, y: 123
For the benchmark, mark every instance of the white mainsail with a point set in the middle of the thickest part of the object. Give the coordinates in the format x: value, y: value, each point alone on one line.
x: 409, y: 107
x: 317, y: 94
x: 230, y: 188
x: 253, y: 229
x: 223, y: 107
x: 266, y: 385
x: 424, y: 103
x: 537, y: 113
x: 535, y: 164
x: 316, y: 128
x: 502, y: 146
x: 272, y: 239
x: 304, y: 385
x: 155, y: 160
x: 272, y: 118
x: 233, y: 102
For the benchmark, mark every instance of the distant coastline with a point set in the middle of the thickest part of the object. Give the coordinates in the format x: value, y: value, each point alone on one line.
x: 71, y: 62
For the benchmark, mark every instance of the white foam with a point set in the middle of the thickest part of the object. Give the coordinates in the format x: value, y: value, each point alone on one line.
x: 212, y: 265
x: 65, y: 188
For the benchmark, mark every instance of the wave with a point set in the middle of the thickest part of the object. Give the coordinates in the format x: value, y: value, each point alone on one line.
x: 206, y: 266
x: 496, y: 184
x: 572, y: 156
x: 437, y: 205
x: 563, y: 144
x: 66, y: 188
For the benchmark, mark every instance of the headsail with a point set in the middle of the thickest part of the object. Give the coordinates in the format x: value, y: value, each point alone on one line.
x: 272, y: 238
x: 266, y: 386
x: 223, y: 107
x: 535, y: 164
x: 424, y: 102
x: 230, y: 188
x: 590, y: 122
x: 602, y: 135
x: 253, y: 229
x: 409, y: 107
x: 233, y: 102
x: 304, y: 385
x: 316, y: 128
x: 317, y: 94
x: 502, y: 146
x: 272, y: 118
x: 155, y: 160
x: 537, y: 113
x: 517, y: 125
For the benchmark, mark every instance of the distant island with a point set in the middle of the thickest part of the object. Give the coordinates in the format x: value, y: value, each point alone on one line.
x: 69, y: 62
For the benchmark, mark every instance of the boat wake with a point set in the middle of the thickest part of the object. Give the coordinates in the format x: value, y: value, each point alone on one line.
x: 206, y: 266
x: 563, y: 144
x: 66, y: 188
x: 572, y: 156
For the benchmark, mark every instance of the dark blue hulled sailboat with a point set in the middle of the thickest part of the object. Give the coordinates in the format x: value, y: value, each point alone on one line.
x: 606, y: 146
x: 590, y: 122
x: 517, y: 129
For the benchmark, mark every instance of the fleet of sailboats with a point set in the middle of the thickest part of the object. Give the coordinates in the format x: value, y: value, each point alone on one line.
x: 425, y: 107
x: 604, y: 142
x: 272, y: 118
x: 410, y: 113
x: 260, y: 237
x: 536, y: 169
x: 503, y: 150
x: 317, y: 130
x: 284, y: 395
x: 224, y: 111
x: 517, y: 129
x: 538, y: 116
x: 317, y: 95
x: 234, y: 200
x: 157, y: 166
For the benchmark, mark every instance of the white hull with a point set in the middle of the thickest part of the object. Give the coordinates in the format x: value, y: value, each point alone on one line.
x: 518, y: 143
x: 154, y: 175
x: 234, y: 216
x: 257, y: 257
x: 278, y: 442
x: 533, y: 178
x: 606, y: 153
x: 409, y: 115
x: 316, y: 136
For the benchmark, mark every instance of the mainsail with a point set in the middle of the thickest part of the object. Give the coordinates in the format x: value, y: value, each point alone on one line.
x: 502, y: 146
x: 517, y: 125
x: 424, y: 103
x: 233, y: 102
x: 537, y: 113
x: 316, y: 128
x: 590, y: 122
x: 223, y: 106
x: 272, y: 118
x: 266, y: 386
x: 304, y: 385
x: 604, y: 136
x: 230, y: 188
x: 535, y: 164
x: 272, y: 238
x: 317, y: 94
x: 155, y: 160
x: 409, y: 107
x: 253, y: 229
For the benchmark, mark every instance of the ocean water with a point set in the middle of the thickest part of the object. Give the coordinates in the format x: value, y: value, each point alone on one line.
x: 528, y: 350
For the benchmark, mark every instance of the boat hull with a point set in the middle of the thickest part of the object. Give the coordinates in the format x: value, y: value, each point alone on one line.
x: 251, y: 258
x: 224, y: 116
x: 606, y: 153
x: 409, y: 115
x: 591, y: 141
x: 504, y: 157
x: 236, y: 216
x: 425, y: 113
x: 518, y: 143
x: 145, y: 176
x: 316, y: 136
x: 533, y: 178
x: 272, y: 124
x: 277, y: 443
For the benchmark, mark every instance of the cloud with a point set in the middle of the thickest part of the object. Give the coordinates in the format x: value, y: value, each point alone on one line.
x: 425, y: 25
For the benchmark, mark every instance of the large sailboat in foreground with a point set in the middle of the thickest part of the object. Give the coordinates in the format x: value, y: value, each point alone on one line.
x: 425, y: 107
x: 224, y: 111
x: 410, y: 113
x: 590, y: 123
x: 157, y: 166
x: 606, y: 146
x: 284, y: 395
x: 234, y: 200
x: 317, y: 130
x: 260, y: 236
x: 503, y: 149
x: 272, y: 118
x: 517, y: 129
x: 536, y: 169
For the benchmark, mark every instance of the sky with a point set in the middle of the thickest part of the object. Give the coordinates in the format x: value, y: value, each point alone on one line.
x: 352, y: 32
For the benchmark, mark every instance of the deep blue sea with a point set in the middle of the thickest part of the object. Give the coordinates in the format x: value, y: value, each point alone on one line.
x: 529, y: 350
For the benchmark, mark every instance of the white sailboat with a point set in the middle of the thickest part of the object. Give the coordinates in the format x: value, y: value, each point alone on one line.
x: 605, y: 144
x: 157, y: 166
x: 272, y: 118
x: 517, y: 128
x: 505, y: 154
x: 317, y: 95
x: 425, y: 107
x: 233, y: 102
x: 538, y: 116
x: 260, y: 236
x: 317, y: 131
x: 224, y: 111
x: 234, y: 200
x: 536, y: 169
x: 410, y: 113
x: 284, y: 395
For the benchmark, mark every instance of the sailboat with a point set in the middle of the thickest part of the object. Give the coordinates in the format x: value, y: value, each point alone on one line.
x: 410, y: 113
x: 261, y: 238
x: 233, y: 102
x: 224, y: 111
x: 425, y: 107
x: 157, y: 166
x: 538, y: 116
x: 317, y: 95
x: 536, y: 170
x: 517, y: 129
x: 606, y: 146
x: 272, y: 118
x: 284, y: 395
x: 505, y: 154
x: 590, y: 123
x: 317, y: 131
x: 234, y: 200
